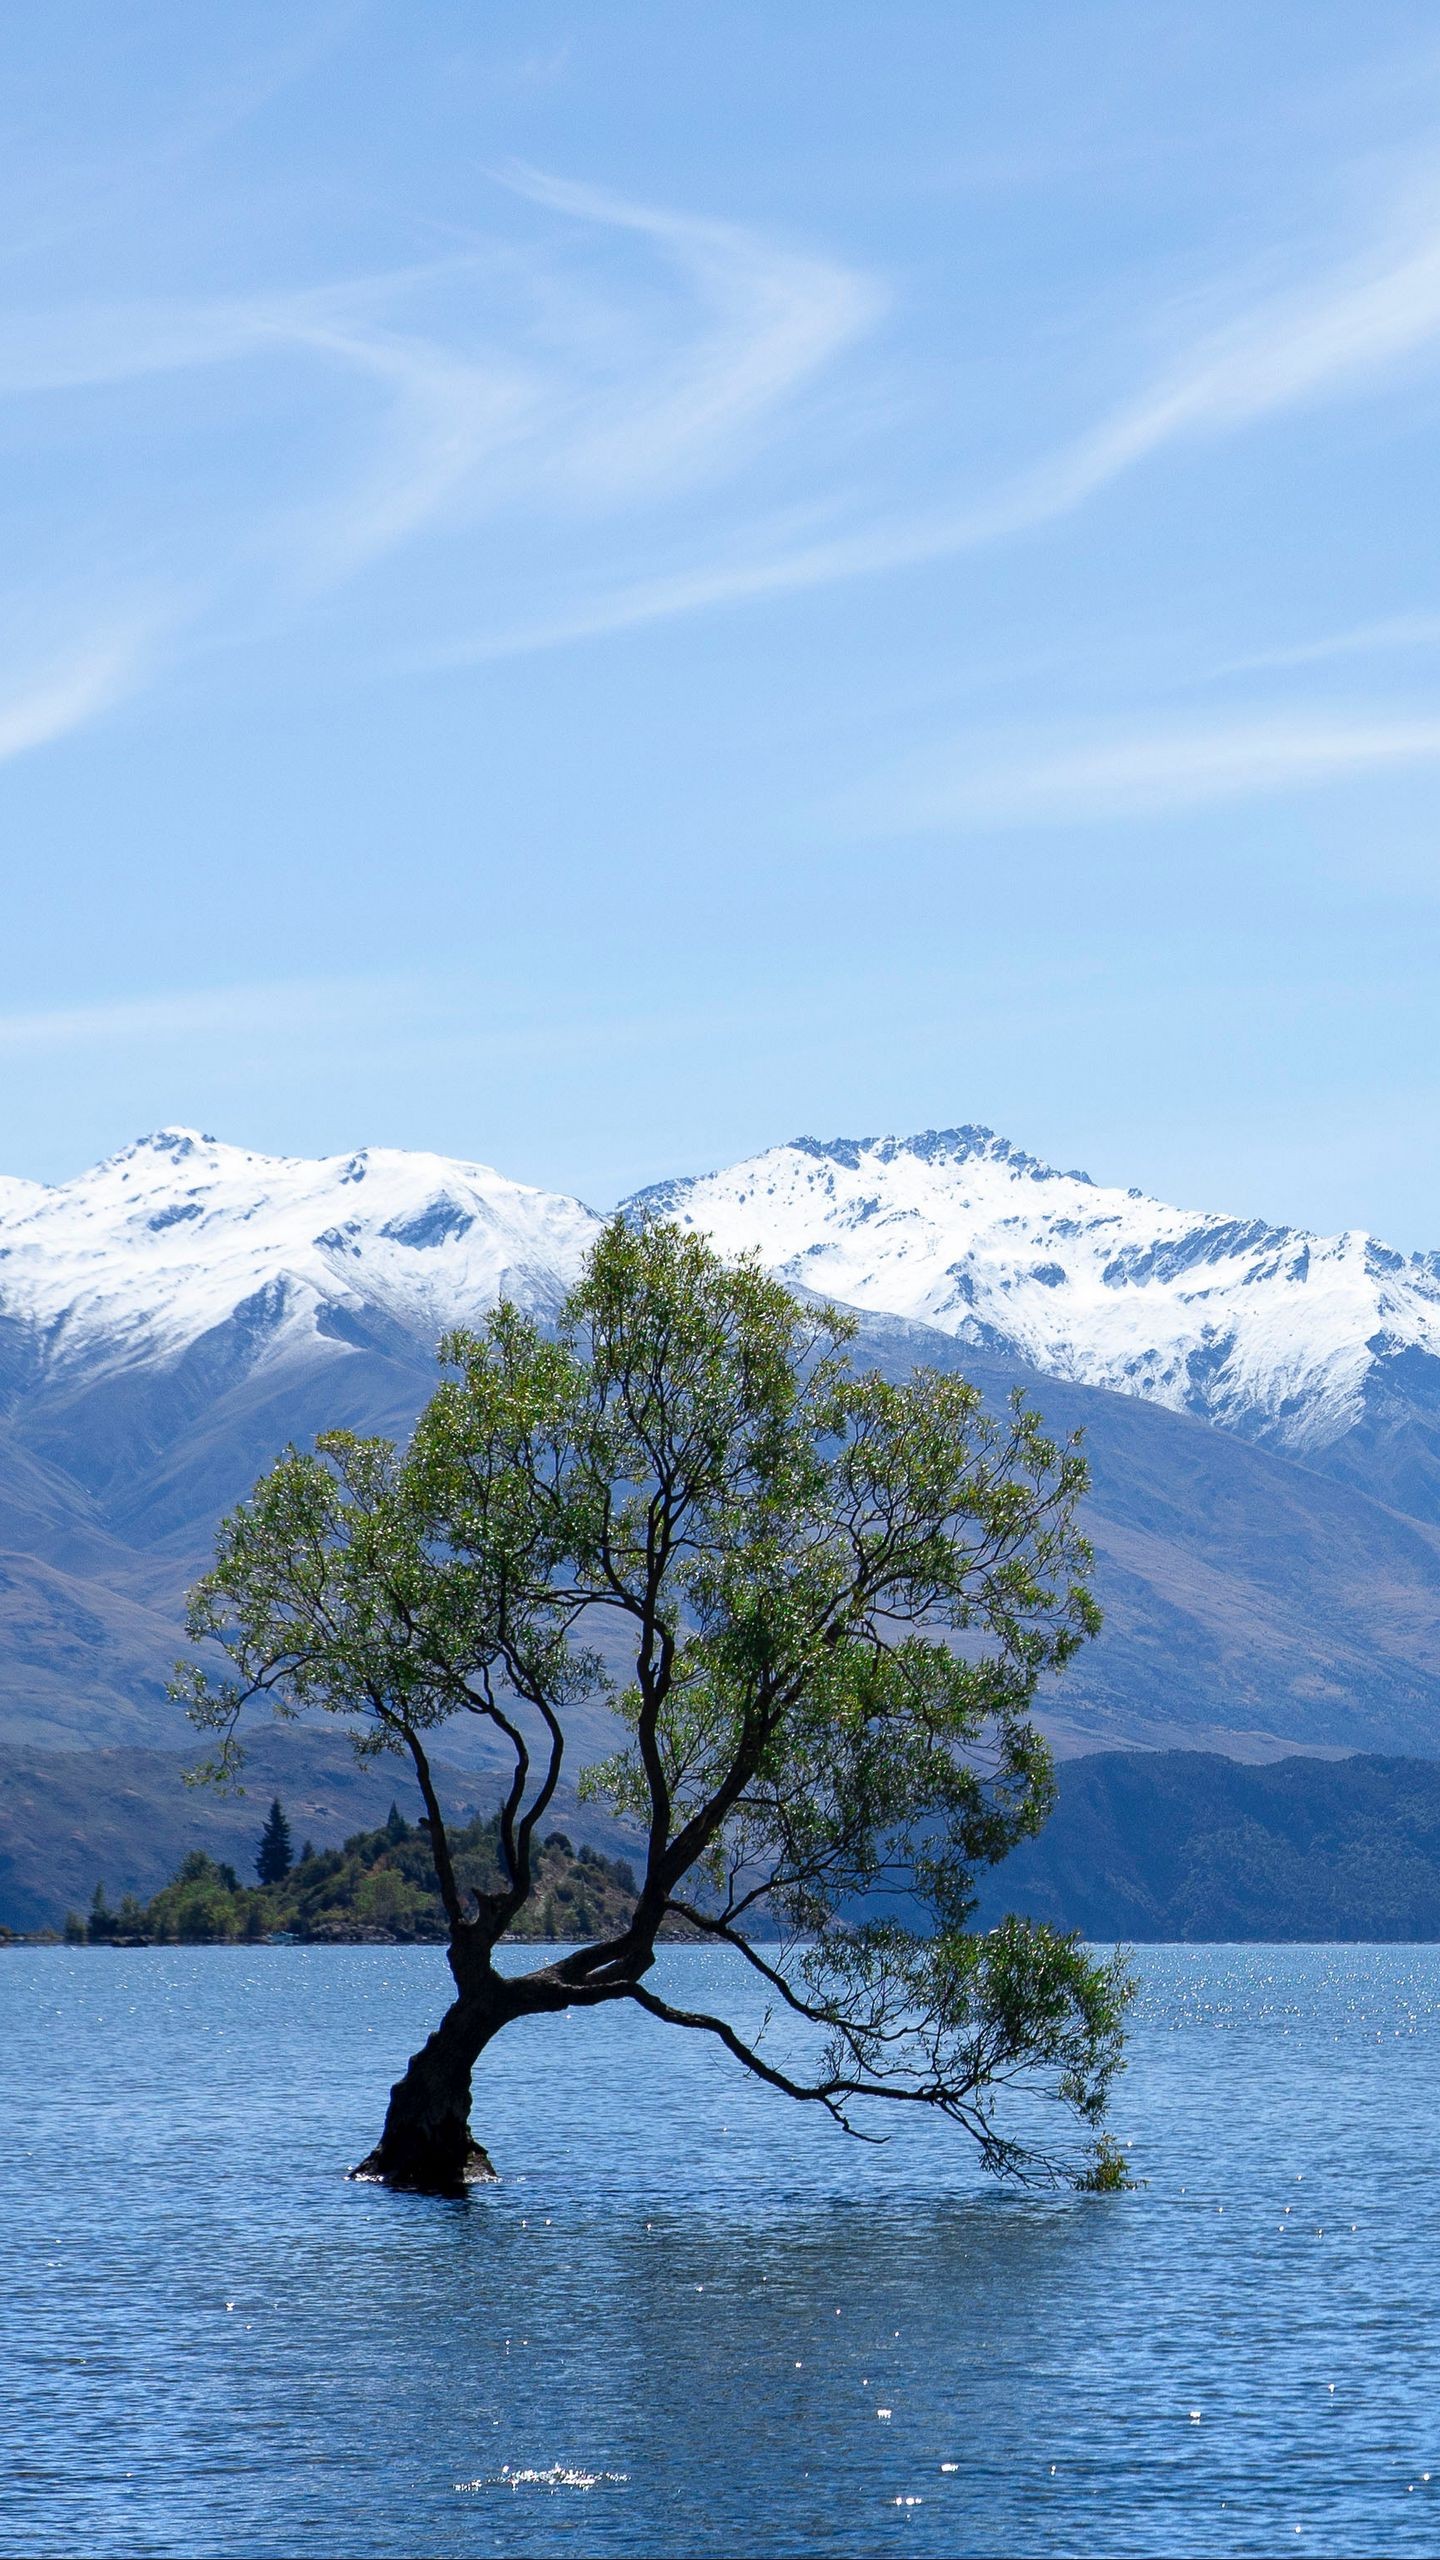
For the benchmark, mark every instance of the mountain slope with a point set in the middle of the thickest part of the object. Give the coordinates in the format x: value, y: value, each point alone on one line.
x: 1186, y: 1845
x: 1251, y: 1603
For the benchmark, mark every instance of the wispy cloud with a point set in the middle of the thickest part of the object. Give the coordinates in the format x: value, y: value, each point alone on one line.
x: 445, y: 417
x: 1343, y: 334
x: 1340, y: 334
x: 294, y: 1006
x: 65, y: 195
x: 67, y: 695
x: 664, y: 598
x: 567, y: 419
x: 92, y: 346
x: 584, y: 414
x: 1156, y: 772
x: 772, y: 318
x: 1362, y: 640
x: 443, y: 411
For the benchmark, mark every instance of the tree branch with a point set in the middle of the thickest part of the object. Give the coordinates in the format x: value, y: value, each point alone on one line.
x: 826, y: 2096
x: 439, y: 1837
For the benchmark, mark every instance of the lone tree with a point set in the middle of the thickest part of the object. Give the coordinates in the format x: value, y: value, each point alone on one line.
x: 835, y: 1597
x: 274, y: 1857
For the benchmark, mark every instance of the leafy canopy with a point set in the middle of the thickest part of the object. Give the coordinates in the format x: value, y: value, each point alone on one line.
x: 815, y: 1604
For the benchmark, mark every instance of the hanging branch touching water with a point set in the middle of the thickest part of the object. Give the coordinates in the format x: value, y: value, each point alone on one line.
x: 835, y: 1596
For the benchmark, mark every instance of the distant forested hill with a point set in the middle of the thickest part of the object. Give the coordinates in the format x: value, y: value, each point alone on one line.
x: 1184, y: 1844
x: 70, y: 1820
x: 378, y: 1887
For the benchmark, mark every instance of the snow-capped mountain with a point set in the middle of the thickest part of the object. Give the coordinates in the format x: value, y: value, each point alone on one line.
x: 1265, y: 1330
x: 138, y: 1259
x: 179, y: 1240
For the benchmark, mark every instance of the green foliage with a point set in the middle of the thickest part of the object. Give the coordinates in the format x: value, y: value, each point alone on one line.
x: 1107, y: 2172
x: 198, y: 1908
x: 837, y: 1596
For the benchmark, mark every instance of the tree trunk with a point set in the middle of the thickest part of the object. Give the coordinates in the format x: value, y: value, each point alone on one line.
x: 427, y: 2143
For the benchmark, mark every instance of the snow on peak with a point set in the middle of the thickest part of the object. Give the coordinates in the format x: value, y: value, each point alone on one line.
x: 1264, y: 1329
x: 17, y: 1194
x: 144, y: 1253
x: 1258, y: 1327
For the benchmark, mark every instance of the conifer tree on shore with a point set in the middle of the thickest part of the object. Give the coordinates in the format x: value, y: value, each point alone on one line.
x: 274, y: 1857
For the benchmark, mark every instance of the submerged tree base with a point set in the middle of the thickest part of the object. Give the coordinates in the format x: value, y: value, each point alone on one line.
x: 428, y: 2169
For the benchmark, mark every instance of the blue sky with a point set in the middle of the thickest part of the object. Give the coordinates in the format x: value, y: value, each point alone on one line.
x: 597, y: 588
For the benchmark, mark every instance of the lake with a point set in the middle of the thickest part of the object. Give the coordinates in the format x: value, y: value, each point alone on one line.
x: 694, y: 2318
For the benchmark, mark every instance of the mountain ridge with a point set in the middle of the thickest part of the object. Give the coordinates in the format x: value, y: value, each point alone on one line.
x: 172, y: 1319
x: 1274, y: 1331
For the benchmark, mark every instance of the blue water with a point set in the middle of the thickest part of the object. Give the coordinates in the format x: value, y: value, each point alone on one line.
x: 677, y: 2324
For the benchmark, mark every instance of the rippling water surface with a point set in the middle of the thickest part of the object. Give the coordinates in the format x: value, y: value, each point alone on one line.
x: 692, y: 2319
